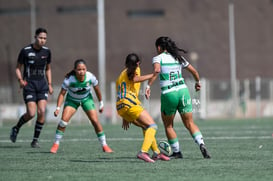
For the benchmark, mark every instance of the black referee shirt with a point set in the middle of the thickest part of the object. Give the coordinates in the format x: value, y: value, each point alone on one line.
x: 34, y: 61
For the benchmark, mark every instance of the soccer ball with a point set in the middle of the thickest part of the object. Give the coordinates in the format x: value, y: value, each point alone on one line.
x: 165, y: 148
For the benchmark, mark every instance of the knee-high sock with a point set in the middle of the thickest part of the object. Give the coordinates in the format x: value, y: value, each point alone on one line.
x: 154, y: 145
x: 58, y: 136
x: 21, y: 122
x: 148, y: 139
x: 174, y: 144
x: 198, y: 137
x: 38, y: 128
x: 102, y: 138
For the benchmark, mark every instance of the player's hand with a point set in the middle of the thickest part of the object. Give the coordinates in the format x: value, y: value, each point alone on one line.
x: 125, y: 124
x: 22, y: 83
x: 197, y: 86
x: 147, y: 92
x: 101, y: 106
x: 57, y: 111
x: 50, y: 89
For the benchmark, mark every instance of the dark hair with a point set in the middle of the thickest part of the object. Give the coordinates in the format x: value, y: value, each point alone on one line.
x: 40, y: 30
x: 131, y: 64
x: 76, y: 63
x: 165, y: 43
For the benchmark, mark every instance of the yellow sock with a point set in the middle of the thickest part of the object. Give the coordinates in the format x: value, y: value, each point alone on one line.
x: 155, y: 147
x: 154, y: 144
x: 149, y: 137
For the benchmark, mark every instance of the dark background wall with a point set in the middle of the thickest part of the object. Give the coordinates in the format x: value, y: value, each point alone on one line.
x: 132, y: 26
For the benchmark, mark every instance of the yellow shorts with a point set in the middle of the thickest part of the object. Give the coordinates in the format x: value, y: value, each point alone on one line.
x: 128, y: 110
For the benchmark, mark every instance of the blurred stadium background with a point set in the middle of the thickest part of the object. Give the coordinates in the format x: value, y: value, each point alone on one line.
x: 229, y: 42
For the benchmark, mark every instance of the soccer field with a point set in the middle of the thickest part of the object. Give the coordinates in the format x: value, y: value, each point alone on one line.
x: 240, y: 149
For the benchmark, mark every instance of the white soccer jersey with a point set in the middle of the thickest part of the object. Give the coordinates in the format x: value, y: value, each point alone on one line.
x: 79, y: 90
x: 171, y: 72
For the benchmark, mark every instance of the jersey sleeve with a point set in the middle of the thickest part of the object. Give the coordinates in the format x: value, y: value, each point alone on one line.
x: 65, y: 84
x: 93, y: 78
x: 49, y: 57
x: 185, y: 63
x: 21, y: 57
x: 156, y: 59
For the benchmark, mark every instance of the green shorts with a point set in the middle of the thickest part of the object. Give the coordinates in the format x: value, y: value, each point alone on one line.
x: 179, y: 100
x: 86, y: 103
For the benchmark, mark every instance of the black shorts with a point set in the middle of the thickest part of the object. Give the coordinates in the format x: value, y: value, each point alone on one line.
x: 35, y: 90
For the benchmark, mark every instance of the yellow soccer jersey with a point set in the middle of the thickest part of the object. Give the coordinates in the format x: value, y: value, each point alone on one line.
x: 128, y: 105
x: 125, y: 87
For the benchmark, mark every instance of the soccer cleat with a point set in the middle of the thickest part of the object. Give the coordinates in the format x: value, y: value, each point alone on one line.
x: 160, y: 156
x: 54, y: 148
x: 176, y: 155
x: 145, y: 157
x: 34, y: 144
x: 107, y: 149
x: 13, y: 134
x: 204, y: 151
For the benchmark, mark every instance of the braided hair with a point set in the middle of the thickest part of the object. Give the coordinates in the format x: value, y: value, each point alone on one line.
x: 131, y: 65
x: 76, y: 63
x: 165, y: 43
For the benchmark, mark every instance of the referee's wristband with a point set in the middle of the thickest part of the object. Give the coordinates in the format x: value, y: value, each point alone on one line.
x: 58, y: 108
x: 148, y: 87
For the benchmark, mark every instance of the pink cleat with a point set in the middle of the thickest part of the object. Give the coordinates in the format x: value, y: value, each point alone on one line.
x: 160, y: 156
x: 145, y: 157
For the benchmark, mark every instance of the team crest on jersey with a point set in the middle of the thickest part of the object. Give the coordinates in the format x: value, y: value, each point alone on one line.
x: 87, y: 84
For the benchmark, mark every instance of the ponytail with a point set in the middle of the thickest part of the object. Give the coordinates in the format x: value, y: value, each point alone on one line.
x: 165, y: 43
x: 131, y: 65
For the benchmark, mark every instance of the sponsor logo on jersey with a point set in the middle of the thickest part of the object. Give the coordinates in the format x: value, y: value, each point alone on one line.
x: 31, y: 54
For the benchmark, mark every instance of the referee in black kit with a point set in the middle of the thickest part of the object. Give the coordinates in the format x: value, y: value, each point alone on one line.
x: 36, y: 83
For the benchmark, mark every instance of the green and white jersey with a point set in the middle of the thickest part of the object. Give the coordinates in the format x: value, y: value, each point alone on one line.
x: 171, y: 78
x: 77, y: 90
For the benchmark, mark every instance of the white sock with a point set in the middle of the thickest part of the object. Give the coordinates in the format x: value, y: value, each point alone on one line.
x: 58, y: 136
x: 102, y: 138
x: 174, y: 145
x: 198, y: 138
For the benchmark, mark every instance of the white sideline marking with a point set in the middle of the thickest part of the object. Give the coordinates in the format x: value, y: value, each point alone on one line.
x: 140, y: 139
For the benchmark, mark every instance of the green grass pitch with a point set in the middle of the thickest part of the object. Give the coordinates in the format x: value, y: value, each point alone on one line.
x: 240, y: 149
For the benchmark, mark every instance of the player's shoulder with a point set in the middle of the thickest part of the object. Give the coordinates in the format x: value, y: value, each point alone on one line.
x: 160, y: 56
x: 90, y: 75
x: 27, y: 48
x: 68, y: 80
x: 45, y: 48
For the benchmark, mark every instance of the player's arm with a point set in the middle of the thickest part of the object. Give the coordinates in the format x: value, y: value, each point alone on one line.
x: 60, y: 101
x: 151, y: 81
x: 19, y: 76
x: 195, y: 74
x: 142, y: 78
x: 98, y: 94
x: 49, y: 78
